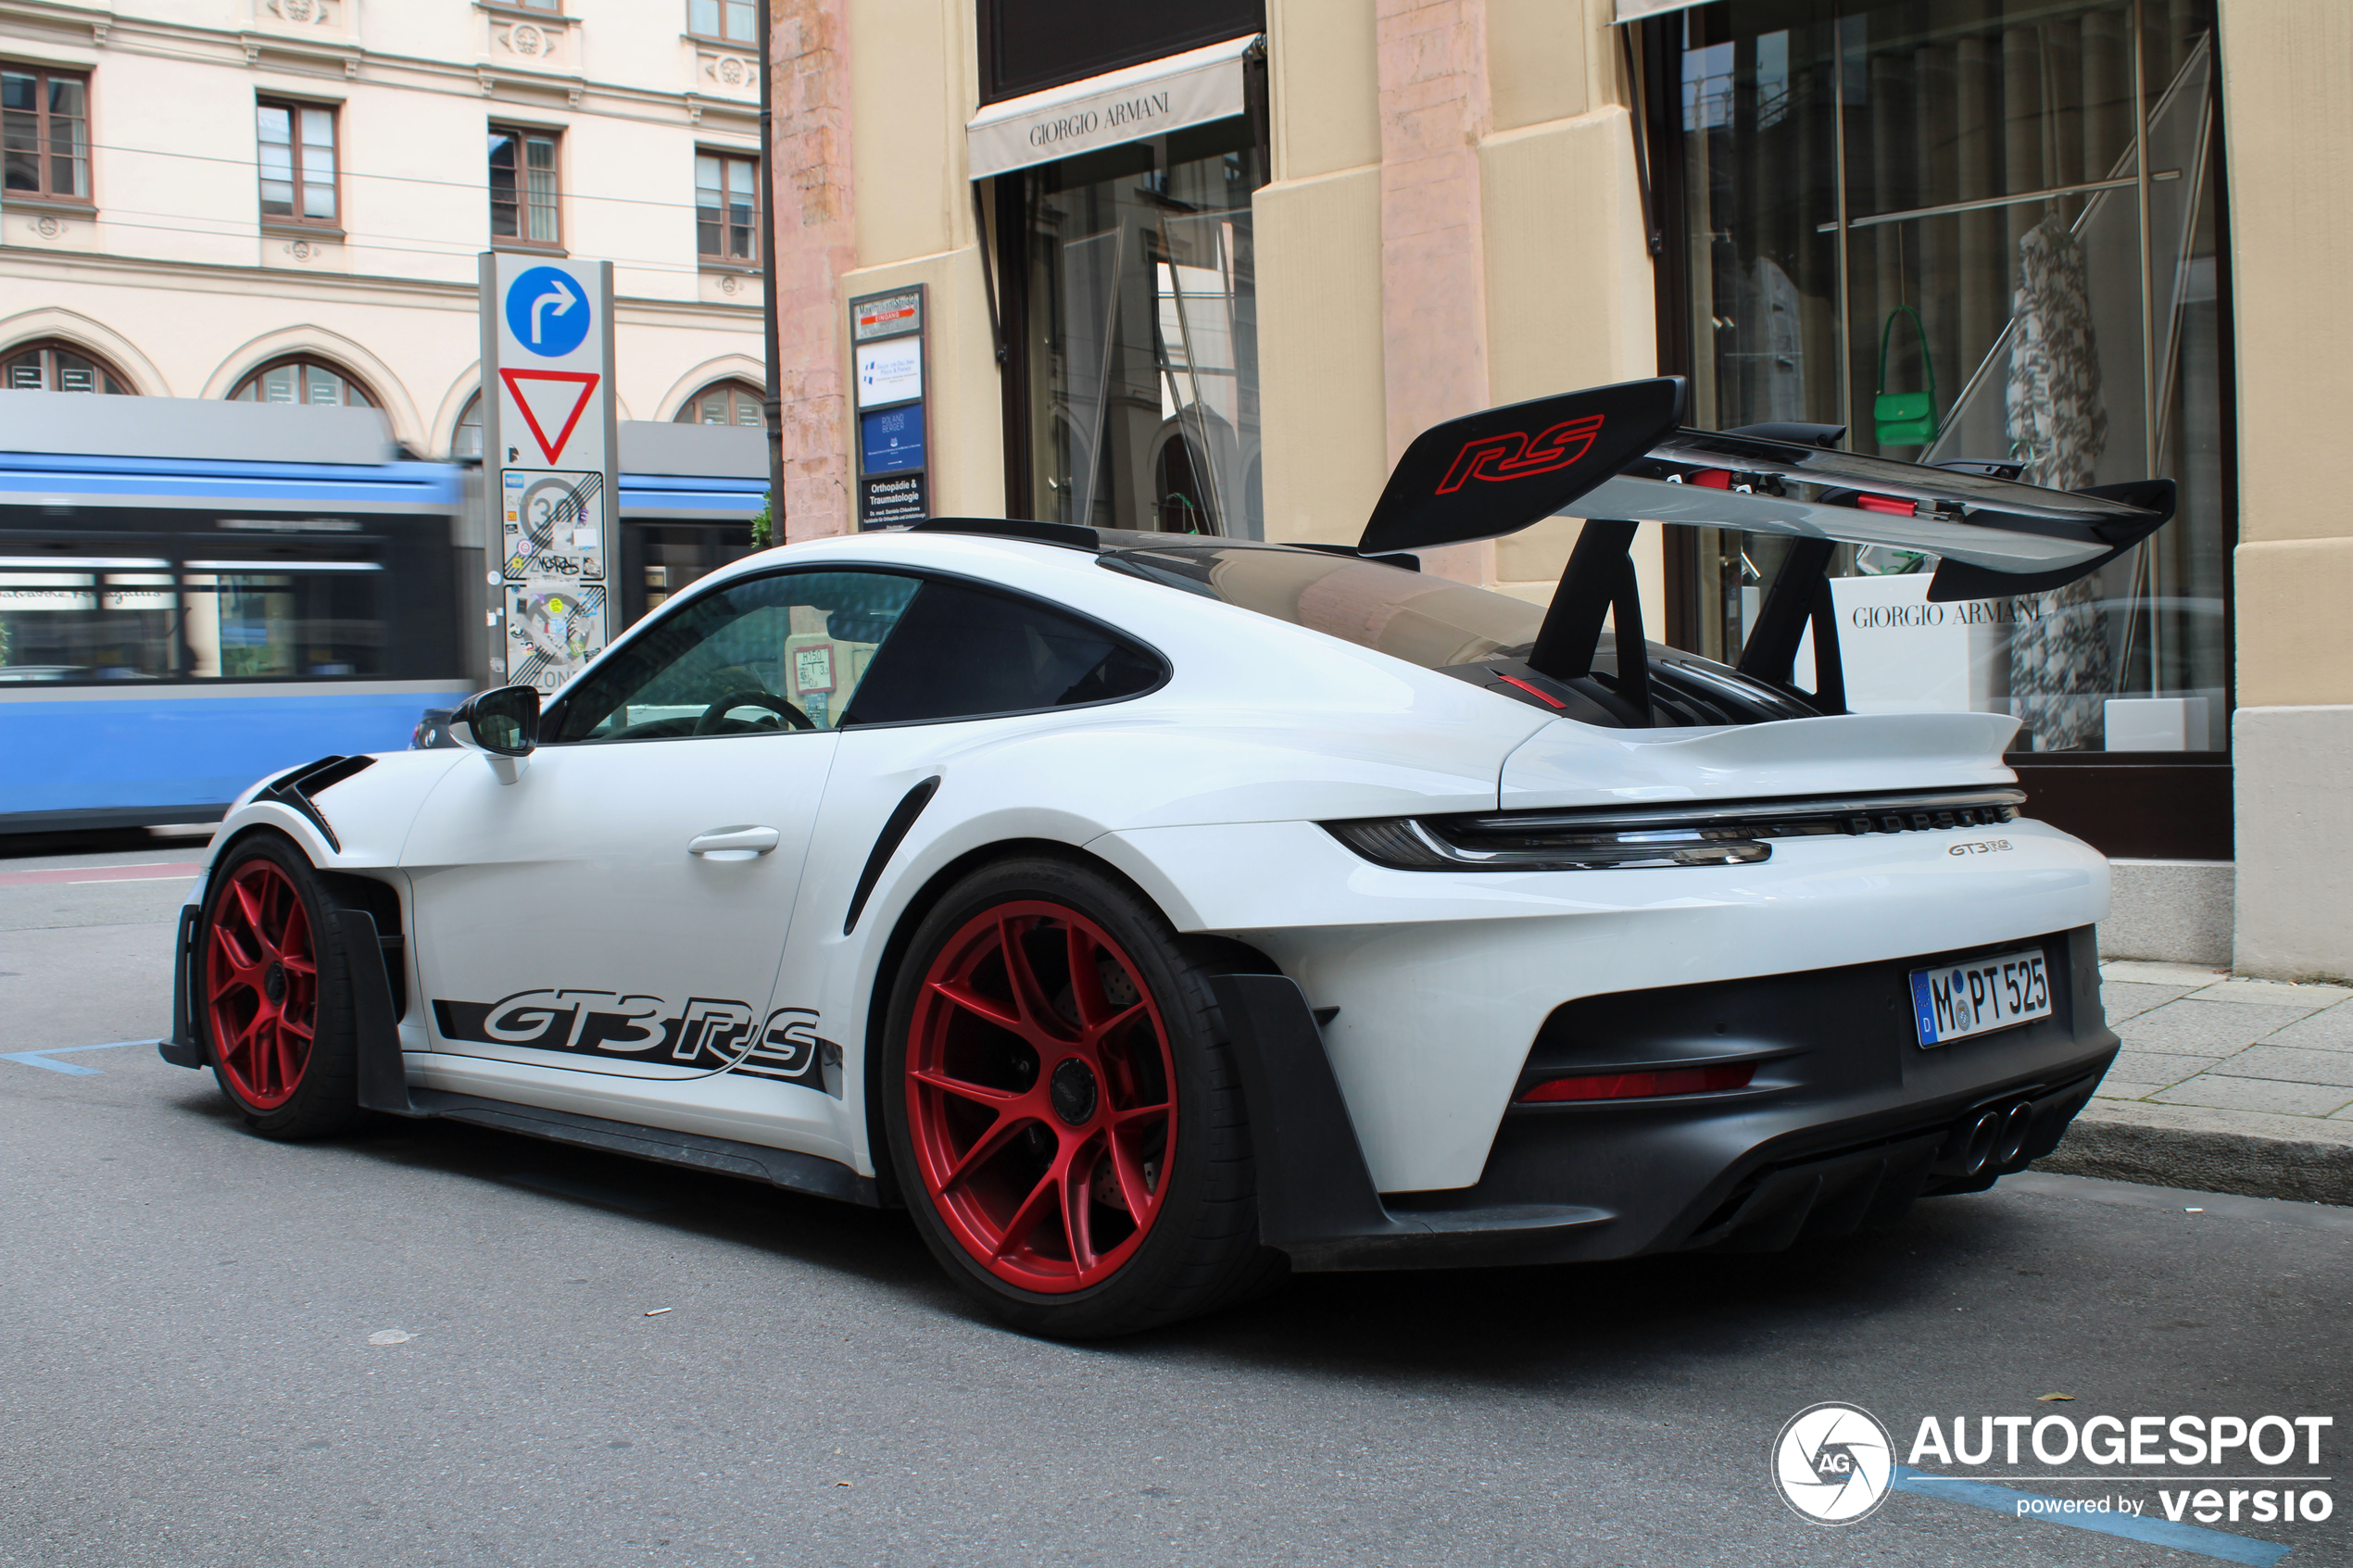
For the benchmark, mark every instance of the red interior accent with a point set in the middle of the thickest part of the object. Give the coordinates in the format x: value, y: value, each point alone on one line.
x: 1641, y: 1085
x: 1894, y: 506
x: 1536, y: 692
x: 1715, y: 479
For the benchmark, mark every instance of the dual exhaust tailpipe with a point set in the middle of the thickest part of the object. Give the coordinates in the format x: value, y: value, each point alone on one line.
x: 1991, y: 1138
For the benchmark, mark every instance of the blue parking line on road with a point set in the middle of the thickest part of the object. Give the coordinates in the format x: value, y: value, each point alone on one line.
x: 2156, y: 1531
x: 41, y: 1059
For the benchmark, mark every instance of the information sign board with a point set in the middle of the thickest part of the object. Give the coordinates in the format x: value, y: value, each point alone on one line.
x: 888, y: 344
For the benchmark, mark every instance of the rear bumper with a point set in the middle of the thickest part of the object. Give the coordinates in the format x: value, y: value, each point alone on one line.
x: 1846, y: 1122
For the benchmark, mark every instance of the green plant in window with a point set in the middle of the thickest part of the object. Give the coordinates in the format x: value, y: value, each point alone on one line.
x: 763, y: 525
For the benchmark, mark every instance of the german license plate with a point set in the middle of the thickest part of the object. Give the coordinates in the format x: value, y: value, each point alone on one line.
x: 1953, y: 1002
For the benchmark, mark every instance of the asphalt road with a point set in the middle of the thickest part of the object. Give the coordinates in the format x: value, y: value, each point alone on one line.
x: 195, y: 1368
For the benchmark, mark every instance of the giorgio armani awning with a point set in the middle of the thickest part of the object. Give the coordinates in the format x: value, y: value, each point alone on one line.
x: 1103, y: 112
x: 1635, y: 10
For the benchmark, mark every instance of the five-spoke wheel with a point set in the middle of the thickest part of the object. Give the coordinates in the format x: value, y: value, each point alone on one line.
x: 269, y: 995
x: 1065, y: 1119
x: 1040, y: 1092
x: 261, y: 984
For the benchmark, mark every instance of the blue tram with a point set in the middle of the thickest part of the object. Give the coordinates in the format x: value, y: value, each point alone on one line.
x: 195, y: 593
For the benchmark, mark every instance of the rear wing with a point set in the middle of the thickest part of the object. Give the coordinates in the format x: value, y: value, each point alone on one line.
x: 1619, y: 454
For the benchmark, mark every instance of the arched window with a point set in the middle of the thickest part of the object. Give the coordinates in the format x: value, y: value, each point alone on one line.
x: 56, y: 366
x: 723, y: 403
x: 301, y: 379
x: 466, y: 441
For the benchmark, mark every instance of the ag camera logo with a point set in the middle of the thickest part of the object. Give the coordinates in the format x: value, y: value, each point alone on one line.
x: 1832, y: 1462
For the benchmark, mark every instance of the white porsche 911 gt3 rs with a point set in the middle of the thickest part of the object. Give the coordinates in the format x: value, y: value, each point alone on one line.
x: 1147, y: 913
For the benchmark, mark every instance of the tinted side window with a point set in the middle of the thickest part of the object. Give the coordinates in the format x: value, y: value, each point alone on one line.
x: 960, y: 652
x: 766, y: 653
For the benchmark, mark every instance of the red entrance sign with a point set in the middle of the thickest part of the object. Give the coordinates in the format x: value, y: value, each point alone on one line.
x: 551, y: 401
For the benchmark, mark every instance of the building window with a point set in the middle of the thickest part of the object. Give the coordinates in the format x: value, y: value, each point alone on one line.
x: 723, y: 403
x: 1985, y: 284
x: 44, y: 133
x: 466, y: 441
x: 297, y: 147
x: 303, y: 380
x: 1137, y: 329
x: 523, y: 187
x: 726, y: 207
x: 58, y: 366
x: 732, y: 20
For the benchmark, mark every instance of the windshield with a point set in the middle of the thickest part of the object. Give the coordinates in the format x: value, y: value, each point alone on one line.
x: 1426, y: 620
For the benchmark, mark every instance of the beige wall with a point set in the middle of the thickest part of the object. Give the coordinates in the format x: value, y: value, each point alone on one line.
x: 171, y: 276
x: 2286, y: 64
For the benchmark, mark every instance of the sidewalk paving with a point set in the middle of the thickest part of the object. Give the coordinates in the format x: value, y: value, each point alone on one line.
x: 2223, y: 1084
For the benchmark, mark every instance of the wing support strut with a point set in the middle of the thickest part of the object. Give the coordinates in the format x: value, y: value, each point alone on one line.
x: 1599, y: 582
x: 1799, y: 597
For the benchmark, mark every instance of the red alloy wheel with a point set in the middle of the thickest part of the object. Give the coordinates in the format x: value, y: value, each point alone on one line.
x: 1041, y: 1096
x: 262, y: 985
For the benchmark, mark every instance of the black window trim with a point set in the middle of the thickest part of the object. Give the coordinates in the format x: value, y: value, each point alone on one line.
x: 551, y: 719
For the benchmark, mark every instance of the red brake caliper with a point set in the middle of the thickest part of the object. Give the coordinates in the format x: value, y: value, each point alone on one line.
x: 262, y: 985
x: 1041, y: 1096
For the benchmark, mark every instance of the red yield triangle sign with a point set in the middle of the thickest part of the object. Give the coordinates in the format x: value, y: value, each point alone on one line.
x: 551, y: 401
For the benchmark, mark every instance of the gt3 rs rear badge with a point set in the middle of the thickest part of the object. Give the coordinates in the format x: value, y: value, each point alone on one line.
x: 705, y: 1032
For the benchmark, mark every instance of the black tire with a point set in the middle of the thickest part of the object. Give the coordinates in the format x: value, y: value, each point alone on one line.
x: 325, y: 1093
x: 1201, y: 1251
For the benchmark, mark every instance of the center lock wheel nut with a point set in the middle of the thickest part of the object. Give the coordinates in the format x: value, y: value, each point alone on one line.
x: 1072, y: 1089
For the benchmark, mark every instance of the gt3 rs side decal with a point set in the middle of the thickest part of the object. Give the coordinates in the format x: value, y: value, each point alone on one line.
x: 709, y: 1034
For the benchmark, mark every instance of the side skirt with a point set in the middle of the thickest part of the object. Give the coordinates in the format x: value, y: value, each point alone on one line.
x: 384, y: 1086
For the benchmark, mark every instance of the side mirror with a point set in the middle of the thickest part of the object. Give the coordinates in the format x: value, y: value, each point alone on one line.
x: 503, y: 722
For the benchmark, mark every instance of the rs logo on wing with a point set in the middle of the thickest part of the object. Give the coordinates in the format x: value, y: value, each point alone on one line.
x: 1516, y: 455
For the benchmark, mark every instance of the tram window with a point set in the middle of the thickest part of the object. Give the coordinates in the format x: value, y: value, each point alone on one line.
x: 74, y: 619
x: 659, y: 559
x: 88, y: 624
x: 320, y: 619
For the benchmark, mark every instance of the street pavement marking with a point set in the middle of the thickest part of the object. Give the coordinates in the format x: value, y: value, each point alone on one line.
x: 2156, y: 1531
x: 79, y: 876
x: 41, y: 1057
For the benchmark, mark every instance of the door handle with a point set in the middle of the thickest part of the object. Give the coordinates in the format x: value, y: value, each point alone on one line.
x: 734, y: 843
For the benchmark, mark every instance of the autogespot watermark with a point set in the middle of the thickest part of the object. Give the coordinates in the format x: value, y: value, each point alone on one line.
x: 1835, y: 1464
x: 1832, y: 1462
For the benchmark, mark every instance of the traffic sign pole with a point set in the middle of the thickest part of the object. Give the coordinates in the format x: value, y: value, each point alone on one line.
x: 551, y: 445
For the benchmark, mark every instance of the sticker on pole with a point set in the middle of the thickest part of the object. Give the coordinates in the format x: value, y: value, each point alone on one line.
x: 548, y: 311
x: 551, y: 403
x: 554, y: 525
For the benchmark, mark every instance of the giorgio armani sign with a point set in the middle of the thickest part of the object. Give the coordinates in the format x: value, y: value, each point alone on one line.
x: 1123, y: 106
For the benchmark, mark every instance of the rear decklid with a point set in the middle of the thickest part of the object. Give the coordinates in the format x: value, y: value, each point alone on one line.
x: 1568, y: 764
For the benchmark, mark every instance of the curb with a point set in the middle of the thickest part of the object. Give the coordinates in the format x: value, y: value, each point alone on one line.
x: 2177, y: 1146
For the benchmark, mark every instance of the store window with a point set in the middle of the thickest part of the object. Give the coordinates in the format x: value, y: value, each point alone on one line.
x: 2021, y: 264
x: 726, y: 207
x: 44, y: 133
x: 303, y: 380
x: 58, y: 366
x: 723, y: 403
x: 1136, y: 323
x: 525, y: 196
x: 298, y: 154
x: 734, y: 21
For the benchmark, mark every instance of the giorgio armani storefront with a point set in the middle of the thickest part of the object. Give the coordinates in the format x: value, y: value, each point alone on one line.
x: 1120, y: 155
x: 1974, y: 230
x: 1208, y: 268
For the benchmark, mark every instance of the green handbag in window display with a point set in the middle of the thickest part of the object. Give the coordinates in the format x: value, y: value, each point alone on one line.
x: 1904, y: 419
